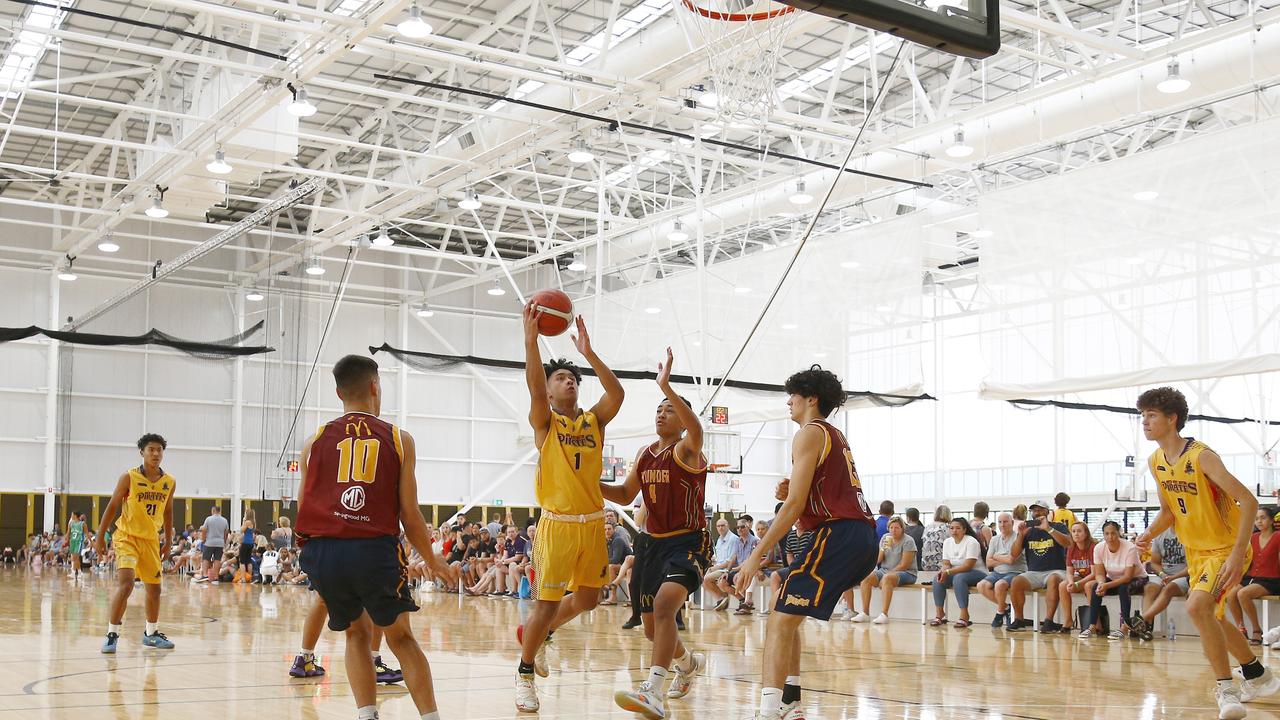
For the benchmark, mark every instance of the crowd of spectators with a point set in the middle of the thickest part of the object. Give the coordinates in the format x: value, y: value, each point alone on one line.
x: 1030, y: 548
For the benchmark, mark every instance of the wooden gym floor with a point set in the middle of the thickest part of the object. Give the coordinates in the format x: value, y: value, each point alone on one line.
x: 235, y: 645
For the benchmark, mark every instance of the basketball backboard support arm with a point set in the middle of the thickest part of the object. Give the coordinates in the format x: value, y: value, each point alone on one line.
x: 970, y: 28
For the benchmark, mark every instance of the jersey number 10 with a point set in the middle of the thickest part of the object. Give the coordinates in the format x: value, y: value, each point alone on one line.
x: 358, y: 460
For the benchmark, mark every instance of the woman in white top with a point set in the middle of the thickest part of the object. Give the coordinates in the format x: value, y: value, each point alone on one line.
x: 961, y: 569
x: 1116, y: 563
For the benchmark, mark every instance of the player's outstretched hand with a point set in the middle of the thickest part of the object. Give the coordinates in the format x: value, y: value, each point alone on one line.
x: 780, y: 492
x: 1143, y: 541
x: 747, y: 572
x: 531, y: 315
x: 581, y: 339
x: 441, y: 568
x: 664, y: 371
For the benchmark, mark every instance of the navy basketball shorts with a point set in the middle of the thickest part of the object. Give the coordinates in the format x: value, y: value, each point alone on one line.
x: 358, y: 575
x: 680, y: 559
x: 840, y: 554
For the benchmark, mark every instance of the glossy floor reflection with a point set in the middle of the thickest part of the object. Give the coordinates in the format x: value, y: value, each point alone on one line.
x: 235, y: 644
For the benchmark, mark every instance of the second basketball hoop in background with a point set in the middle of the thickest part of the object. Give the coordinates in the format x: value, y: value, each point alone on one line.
x: 557, y: 311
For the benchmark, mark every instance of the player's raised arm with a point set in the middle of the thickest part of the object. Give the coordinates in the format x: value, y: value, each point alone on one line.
x: 689, y: 449
x: 535, y: 376
x: 609, y: 405
x: 110, y: 514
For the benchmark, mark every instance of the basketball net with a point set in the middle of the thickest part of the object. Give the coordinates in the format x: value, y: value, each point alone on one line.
x: 742, y: 39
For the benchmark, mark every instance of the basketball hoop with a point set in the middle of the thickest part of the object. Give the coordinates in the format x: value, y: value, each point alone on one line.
x: 743, y: 39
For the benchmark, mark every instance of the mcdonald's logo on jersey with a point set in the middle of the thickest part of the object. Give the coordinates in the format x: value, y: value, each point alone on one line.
x: 358, y: 427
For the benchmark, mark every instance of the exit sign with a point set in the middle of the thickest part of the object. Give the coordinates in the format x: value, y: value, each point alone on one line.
x: 497, y: 502
x: 719, y: 415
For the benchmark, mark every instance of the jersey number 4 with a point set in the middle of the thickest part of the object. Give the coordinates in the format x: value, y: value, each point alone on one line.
x: 358, y: 460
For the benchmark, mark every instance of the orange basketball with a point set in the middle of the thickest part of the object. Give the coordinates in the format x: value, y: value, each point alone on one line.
x: 557, y: 311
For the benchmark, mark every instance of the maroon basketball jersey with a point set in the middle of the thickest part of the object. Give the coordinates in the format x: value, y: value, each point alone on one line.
x: 835, y: 493
x: 672, y: 492
x: 352, y: 487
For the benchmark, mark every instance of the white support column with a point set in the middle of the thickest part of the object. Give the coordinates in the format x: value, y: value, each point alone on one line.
x: 237, y: 420
x: 402, y: 375
x: 51, y: 410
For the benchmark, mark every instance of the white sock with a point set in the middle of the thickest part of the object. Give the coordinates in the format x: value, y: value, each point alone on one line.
x: 770, y: 701
x: 433, y: 715
x: 307, y: 653
x: 368, y: 712
x: 113, y: 628
x: 657, y: 677
x: 151, y: 628
x: 685, y: 661
x: 376, y: 655
x: 793, y: 680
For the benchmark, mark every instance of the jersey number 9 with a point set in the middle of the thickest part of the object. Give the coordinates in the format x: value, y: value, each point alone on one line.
x: 358, y: 460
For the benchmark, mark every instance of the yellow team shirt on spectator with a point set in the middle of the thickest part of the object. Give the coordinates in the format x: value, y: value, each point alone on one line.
x: 570, y: 464
x: 1064, y: 516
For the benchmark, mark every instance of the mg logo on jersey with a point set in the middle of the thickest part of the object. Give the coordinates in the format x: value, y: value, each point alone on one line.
x: 353, y: 498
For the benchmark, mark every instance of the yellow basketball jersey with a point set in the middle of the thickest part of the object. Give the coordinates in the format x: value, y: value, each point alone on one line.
x: 1204, y: 517
x: 142, y: 513
x: 569, y: 465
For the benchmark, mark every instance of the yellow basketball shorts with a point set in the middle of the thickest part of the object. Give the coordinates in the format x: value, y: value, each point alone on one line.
x: 140, y: 555
x: 566, y: 556
x: 1204, y: 568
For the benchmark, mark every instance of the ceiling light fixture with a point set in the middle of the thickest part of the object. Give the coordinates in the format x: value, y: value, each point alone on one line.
x: 677, y: 233
x: 313, y: 267
x: 108, y: 244
x: 653, y: 310
x: 800, y: 196
x: 577, y: 264
x: 742, y: 290
x: 496, y: 290
x: 219, y: 165
x: 709, y: 99
x: 884, y: 308
x: 470, y: 200
x: 959, y: 148
x: 850, y: 264
x: 254, y: 295
x: 156, y: 209
x: 1173, y: 83
x: 1146, y: 195
x: 415, y: 27
x: 581, y: 153
x: 301, y: 105
x: 789, y: 326
x: 382, y: 239
x: 424, y: 310
x: 65, y: 273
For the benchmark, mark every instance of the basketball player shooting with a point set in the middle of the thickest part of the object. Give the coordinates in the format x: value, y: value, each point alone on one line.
x: 569, y: 555
x: 359, y: 487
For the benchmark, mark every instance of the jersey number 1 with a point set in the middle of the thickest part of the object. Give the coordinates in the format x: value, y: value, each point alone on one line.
x: 358, y: 460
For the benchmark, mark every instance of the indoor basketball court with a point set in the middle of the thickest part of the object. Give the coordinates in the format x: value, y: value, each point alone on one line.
x: 264, y: 262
